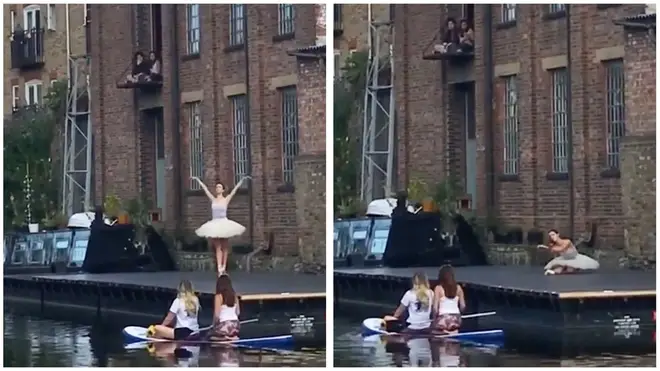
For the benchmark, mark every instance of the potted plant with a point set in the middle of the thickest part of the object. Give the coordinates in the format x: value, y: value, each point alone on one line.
x: 112, y: 207
x: 417, y: 190
x: 137, y: 210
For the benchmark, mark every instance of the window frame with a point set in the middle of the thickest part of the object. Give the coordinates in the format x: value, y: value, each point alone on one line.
x: 32, y: 12
x: 511, y: 127
x: 559, y: 120
x: 51, y: 17
x: 286, y: 19
x: 615, y: 111
x: 290, y: 128
x: 38, y: 86
x: 193, y: 46
x: 12, y: 20
x: 240, y: 138
x: 237, y: 33
x: 505, y: 14
x: 196, y: 143
x: 556, y: 8
x: 15, y: 96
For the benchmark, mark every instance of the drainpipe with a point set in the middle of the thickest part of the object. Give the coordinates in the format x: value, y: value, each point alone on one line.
x: 488, y: 110
x: 569, y: 118
x: 175, y: 96
x: 248, y: 129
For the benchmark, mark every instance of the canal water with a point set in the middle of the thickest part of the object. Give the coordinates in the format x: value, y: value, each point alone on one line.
x: 351, y: 350
x: 30, y: 340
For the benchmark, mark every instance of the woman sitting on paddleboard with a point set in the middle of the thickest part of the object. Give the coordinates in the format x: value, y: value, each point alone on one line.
x: 184, y: 310
x: 225, y: 311
x: 449, y: 302
x: 568, y: 259
x: 418, y: 301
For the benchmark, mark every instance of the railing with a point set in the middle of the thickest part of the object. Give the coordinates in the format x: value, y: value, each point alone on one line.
x: 142, y: 81
x: 27, y: 48
x: 437, y: 50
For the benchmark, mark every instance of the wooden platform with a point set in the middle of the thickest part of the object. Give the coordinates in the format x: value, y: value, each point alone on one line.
x: 250, y: 286
x: 597, y: 284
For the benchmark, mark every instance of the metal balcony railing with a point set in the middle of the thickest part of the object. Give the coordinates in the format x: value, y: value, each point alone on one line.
x: 27, y: 48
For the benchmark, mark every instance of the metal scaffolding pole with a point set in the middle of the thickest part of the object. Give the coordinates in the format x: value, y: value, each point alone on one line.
x: 77, y: 174
x: 379, y: 114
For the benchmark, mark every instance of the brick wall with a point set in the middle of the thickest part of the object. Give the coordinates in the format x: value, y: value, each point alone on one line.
x: 427, y: 140
x: 211, y: 77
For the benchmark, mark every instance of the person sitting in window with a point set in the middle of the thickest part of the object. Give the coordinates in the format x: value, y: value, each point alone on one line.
x: 155, y: 73
x: 141, y: 69
x: 465, y: 37
x: 449, y: 37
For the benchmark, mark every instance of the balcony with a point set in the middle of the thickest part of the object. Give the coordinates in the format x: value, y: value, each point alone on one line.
x: 27, y: 48
x: 144, y: 75
x: 451, y: 48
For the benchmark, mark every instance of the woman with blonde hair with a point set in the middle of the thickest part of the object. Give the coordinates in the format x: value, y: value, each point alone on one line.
x: 418, y: 301
x: 184, y: 312
x: 220, y: 229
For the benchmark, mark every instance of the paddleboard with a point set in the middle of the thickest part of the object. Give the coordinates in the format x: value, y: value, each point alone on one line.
x: 374, y: 326
x: 136, y: 337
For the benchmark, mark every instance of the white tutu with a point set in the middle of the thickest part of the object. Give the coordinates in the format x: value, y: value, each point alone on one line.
x: 220, y: 228
x: 579, y: 261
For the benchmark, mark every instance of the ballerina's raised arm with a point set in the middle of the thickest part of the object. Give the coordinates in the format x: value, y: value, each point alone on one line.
x: 205, y: 188
x: 236, y: 187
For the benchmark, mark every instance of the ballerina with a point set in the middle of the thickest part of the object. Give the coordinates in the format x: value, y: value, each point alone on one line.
x: 568, y: 258
x: 219, y: 229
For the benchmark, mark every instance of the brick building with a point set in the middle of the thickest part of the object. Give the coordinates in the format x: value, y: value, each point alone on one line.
x: 498, y: 119
x: 35, y: 51
x: 232, y: 101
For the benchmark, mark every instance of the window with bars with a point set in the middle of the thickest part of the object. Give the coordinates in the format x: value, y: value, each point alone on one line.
x: 236, y: 18
x: 511, y: 129
x: 508, y: 13
x: 616, y: 116
x: 196, y: 148
x: 241, y: 140
x: 192, y: 28
x: 286, y: 19
x: 559, y: 121
x: 338, y: 18
x: 289, y: 131
x: 556, y: 8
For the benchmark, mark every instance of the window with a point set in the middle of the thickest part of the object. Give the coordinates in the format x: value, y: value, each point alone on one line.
x: 508, y: 13
x: 241, y: 140
x: 289, y: 131
x: 511, y: 130
x: 51, y: 16
x: 12, y: 20
x: 15, y: 99
x: 33, y: 93
x: 616, y: 117
x: 559, y: 122
x: 337, y: 64
x: 236, y: 18
x: 32, y: 17
x: 557, y: 8
x: 338, y: 19
x: 192, y: 26
x: 196, y: 150
x: 285, y: 19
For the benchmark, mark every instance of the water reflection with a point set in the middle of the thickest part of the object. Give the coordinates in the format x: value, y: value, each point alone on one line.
x: 353, y: 350
x: 32, y: 341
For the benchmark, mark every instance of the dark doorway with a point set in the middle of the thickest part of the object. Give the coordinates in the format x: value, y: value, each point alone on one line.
x: 156, y: 28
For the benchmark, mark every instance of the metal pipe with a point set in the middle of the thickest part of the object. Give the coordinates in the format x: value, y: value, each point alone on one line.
x: 569, y: 119
x: 175, y: 97
x: 488, y: 112
x: 248, y: 129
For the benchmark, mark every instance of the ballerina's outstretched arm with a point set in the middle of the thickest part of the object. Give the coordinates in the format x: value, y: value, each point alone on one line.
x: 236, y: 187
x: 205, y: 188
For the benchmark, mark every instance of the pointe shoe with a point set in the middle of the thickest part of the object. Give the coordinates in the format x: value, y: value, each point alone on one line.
x: 549, y: 272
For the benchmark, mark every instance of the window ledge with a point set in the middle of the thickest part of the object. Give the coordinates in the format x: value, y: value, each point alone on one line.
x: 509, y: 178
x: 556, y: 176
x: 284, y: 37
x: 234, y: 48
x: 190, y: 57
x: 505, y: 25
x: 286, y: 188
x: 611, y: 173
x: 554, y: 15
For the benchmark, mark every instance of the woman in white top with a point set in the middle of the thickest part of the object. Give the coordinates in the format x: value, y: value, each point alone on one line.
x: 449, y: 302
x: 418, y: 301
x: 184, y: 311
x: 225, y: 311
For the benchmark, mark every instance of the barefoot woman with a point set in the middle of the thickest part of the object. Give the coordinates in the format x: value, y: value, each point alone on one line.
x: 219, y: 229
x: 568, y: 259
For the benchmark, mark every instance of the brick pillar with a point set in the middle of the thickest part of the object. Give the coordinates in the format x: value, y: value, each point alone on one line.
x: 638, y: 149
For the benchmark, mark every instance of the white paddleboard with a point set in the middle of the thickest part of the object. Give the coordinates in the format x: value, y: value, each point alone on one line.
x: 375, y: 326
x: 138, y: 337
